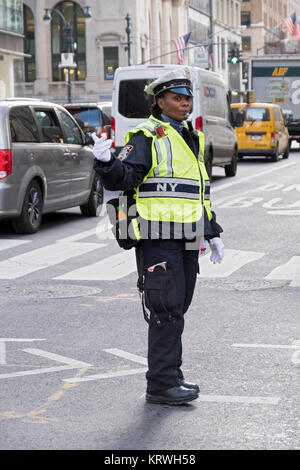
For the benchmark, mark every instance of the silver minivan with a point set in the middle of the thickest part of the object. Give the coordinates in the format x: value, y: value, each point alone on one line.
x: 46, y: 164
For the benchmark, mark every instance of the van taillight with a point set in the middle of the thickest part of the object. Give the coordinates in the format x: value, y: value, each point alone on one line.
x: 199, y: 123
x: 113, y: 130
x: 272, y: 137
x: 5, y: 163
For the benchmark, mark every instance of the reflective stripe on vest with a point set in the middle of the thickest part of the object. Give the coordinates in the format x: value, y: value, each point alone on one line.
x: 170, y: 187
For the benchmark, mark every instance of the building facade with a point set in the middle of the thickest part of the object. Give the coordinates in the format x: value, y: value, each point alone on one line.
x: 11, y: 46
x: 226, y: 36
x: 264, y: 33
x: 100, y: 45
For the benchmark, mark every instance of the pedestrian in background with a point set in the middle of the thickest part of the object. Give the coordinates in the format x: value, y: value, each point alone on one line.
x: 162, y: 169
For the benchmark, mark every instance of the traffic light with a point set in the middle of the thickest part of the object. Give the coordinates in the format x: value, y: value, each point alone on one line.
x: 234, y: 55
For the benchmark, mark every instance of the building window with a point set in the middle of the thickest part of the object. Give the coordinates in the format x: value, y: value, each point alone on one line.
x: 29, y: 45
x: 111, y: 62
x: 200, y: 5
x: 246, y: 43
x: 73, y: 14
x: 11, y: 15
x: 246, y: 18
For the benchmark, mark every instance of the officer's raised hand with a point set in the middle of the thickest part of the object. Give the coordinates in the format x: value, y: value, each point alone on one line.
x: 101, y: 148
x: 217, y: 250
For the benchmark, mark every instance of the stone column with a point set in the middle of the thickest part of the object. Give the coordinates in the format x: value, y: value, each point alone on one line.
x: 42, y: 49
x: 180, y: 21
x: 155, y: 49
x: 166, y: 39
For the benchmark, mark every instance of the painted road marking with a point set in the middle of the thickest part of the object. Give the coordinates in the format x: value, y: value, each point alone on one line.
x: 126, y: 355
x: 250, y: 177
x: 70, y: 364
x: 10, y: 340
x: 286, y: 212
x: 42, y: 258
x: 239, y: 399
x: 233, y: 260
x: 107, y: 375
x: 142, y: 360
x: 267, y: 346
x: 99, y: 228
x: 6, y: 244
x: 109, y: 269
x: 289, y: 270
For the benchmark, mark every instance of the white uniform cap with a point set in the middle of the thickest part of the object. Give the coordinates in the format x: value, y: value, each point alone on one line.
x: 176, y: 81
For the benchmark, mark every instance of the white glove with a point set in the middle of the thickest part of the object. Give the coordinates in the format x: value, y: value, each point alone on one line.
x: 101, y: 148
x: 217, y: 250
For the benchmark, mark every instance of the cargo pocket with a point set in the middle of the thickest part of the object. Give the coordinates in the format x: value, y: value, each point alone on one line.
x: 160, y: 293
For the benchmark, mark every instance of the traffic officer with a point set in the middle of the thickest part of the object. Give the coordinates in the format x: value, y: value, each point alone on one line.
x: 162, y: 168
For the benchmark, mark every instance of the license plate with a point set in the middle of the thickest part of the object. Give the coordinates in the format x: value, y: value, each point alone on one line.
x: 256, y: 137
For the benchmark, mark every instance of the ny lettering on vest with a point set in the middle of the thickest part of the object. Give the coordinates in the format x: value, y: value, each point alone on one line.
x: 164, y: 186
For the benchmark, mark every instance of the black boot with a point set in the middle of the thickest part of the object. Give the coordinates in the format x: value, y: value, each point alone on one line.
x: 188, y: 385
x: 173, y: 396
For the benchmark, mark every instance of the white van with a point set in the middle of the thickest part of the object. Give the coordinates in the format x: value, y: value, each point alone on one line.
x: 211, y: 111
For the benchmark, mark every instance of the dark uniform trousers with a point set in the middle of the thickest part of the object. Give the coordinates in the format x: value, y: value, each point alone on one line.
x: 168, y: 294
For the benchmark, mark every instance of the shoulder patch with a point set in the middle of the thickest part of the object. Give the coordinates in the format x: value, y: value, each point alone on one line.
x: 125, y: 152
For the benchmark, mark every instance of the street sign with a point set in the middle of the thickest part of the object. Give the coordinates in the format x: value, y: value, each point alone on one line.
x: 67, y: 60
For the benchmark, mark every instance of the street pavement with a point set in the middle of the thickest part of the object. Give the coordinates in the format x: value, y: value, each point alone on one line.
x: 73, y: 341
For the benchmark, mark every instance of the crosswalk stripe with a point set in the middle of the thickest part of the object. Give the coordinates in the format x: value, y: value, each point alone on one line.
x: 289, y: 270
x: 233, y: 260
x: 99, y: 228
x: 109, y: 269
x: 42, y: 258
x: 6, y: 244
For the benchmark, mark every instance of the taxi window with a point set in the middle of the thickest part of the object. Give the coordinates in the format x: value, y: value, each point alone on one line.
x: 256, y: 114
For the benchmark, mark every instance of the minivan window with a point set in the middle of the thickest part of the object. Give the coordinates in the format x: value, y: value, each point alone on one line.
x: 22, y: 125
x: 51, y: 130
x: 89, y: 119
x: 72, y: 133
x: 133, y: 102
x: 256, y: 114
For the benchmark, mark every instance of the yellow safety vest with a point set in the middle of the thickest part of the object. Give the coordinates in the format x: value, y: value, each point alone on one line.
x: 177, y: 185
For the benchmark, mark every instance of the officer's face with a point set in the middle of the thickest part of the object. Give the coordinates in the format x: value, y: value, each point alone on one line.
x: 175, y: 106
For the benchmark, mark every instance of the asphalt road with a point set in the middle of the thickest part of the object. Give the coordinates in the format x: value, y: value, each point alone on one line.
x: 73, y: 340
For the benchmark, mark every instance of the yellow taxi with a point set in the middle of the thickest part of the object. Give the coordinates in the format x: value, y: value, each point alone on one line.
x: 263, y: 132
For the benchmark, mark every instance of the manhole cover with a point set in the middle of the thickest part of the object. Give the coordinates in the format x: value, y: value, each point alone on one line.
x: 48, y: 291
x: 241, y: 284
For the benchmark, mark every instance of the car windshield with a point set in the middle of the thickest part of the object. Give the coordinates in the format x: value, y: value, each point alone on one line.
x: 133, y: 102
x: 89, y: 119
x: 256, y: 114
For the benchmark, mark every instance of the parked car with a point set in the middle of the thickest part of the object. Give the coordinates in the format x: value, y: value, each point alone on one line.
x: 46, y: 164
x: 211, y: 111
x: 264, y: 131
x: 92, y: 117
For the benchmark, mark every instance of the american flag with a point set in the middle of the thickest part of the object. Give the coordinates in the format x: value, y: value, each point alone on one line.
x: 180, y: 45
x: 291, y: 25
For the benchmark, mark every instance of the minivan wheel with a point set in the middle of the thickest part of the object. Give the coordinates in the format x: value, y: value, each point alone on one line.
x: 275, y: 155
x: 94, y: 205
x: 230, y: 170
x: 287, y: 152
x: 31, y: 216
